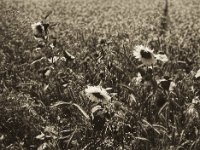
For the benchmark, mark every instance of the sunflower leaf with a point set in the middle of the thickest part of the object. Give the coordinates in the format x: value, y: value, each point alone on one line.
x: 82, y: 111
x: 60, y: 103
x: 142, y: 139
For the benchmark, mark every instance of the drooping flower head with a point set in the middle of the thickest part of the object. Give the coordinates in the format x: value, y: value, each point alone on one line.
x: 40, y: 30
x: 145, y: 55
x: 97, y: 94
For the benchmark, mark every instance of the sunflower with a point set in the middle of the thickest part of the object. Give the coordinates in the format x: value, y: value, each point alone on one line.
x: 97, y: 94
x: 145, y: 55
x: 40, y: 30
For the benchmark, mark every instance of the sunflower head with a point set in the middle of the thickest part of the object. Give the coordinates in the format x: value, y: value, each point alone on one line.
x: 40, y: 30
x: 97, y: 94
x: 144, y: 54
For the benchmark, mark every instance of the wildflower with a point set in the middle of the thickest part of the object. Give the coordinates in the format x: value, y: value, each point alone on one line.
x: 97, y: 93
x: 40, y: 30
x: 147, y: 56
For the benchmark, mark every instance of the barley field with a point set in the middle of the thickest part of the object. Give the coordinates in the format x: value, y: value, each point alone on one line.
x: 100, y: 74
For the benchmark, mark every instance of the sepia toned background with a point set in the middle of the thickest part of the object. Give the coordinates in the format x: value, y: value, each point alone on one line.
x: 43, y: 101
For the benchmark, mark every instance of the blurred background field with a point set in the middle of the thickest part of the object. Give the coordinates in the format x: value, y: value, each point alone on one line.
x: 101, y: 35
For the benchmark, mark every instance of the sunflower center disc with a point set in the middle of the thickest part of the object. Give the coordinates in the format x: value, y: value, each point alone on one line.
x: 98, y: 95
x: 145, y: 54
